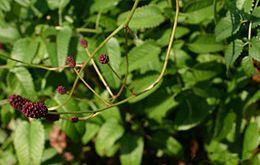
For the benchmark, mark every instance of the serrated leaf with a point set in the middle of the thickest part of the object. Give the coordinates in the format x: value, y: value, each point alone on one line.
x: 108, y: 134
x: 254, y: 48
x: 103, y: 6
x: 131, y: 150
x: 73, y: 130
x: 63, y: 40
x: 144, y: 17
x: 205, y: 44
x: 247, y: 65
x: 25, y: 49
x: 233, y: 51
x: 226, y: 27
x: 141, y: 56
x: 25, y: 79
x: 29, y: 142
x: 251, y: 140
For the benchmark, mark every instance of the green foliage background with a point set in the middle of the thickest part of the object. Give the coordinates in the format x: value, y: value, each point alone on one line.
x: 204, y: 111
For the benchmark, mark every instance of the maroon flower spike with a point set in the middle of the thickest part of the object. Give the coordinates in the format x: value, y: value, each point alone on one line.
x: 71, y: 62
x: 17, y: 102
x: 34, y: 109
x: 103, y: 59
x: 83, y: 43
x: 74, y: 119
x: 61, y: 89
x: 52, y: 117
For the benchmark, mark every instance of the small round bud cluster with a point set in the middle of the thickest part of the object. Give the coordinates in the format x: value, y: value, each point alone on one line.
x: 61, y: 89
x: 27, y: 107
x: 70, y: 61
x: 103, y: 58
x: 74, y: 119
x: 83, y: 43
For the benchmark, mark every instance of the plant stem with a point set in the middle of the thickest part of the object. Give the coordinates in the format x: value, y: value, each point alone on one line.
x: 90, y: 88
x: 87, y: 30
x: 149, y: 87
x: 168, y: 50
x: 99, y: 74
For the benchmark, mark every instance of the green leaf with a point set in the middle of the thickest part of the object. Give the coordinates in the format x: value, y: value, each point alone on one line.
x: 144, y: 17
x: 107, y: 136
x: 245, y: 5
x: 73, y: 130
x: 5, y: 5
x: 141, y: 83
x: 29, y: 142
x: 112, y: 112
x: 247, y: 65
x: 8, y: 33
x: 198, y: 16
x: 205, y: 44
x: 251, y: 140
x: 48, y: 154
x: 224, y: 124
x: 54, y: 4
x: 25, y: 79
x: 63, y: 40
x: 226, y: 27
x: 131, y: 151
x: 25, y: 3
x: 103, y: 6
x: 219, y: 153
x: 256, y: 17
x: 25, y: 49
x: 141, y: 56
x: 91, y: 131
x: 158, y: 105
x: 196, y: 5
x: 233, y: 51
x: 190, y: 113
x: 254, y: 48
x: 162, y: 140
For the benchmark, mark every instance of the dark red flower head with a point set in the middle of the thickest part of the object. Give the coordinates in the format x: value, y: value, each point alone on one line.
x: 34, y: 109
x: 71, y: 62
x: 103, y: 58
x: 83, y: 43
x: 17, y: 102
x: 61, y: 89
x: 27, y: 107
